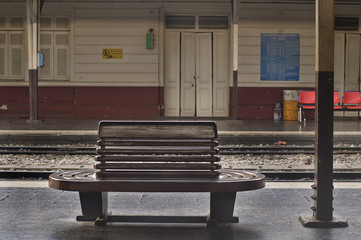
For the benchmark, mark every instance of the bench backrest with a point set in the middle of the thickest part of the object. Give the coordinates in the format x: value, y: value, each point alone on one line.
x: 157, y: 148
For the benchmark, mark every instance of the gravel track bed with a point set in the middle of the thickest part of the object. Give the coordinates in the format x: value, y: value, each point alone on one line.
x: 243, y: 161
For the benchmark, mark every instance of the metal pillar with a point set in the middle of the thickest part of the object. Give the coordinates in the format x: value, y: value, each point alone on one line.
x: 323, y: 183
x: 235, y: 20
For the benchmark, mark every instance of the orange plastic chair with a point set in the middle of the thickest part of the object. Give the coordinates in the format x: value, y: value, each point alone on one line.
x: 351, y: 100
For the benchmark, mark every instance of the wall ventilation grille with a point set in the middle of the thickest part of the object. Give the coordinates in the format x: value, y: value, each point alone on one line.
x: 346, y: 23
x: 196, y: 22
x: 180, y: 22
x: 213, y: 22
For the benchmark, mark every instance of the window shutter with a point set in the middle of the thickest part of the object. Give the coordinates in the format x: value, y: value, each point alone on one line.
x: 45, y: 22
x: 62, y: 55
x: 62, y: 63
x: 55, y: 45
x: 62, y: 23
x: 16, y: 56
x: 46, y: 41
x: 2, y: 22
x: 16, y: 22
x: 3, y: 72
x: 16, y: 62
x: 3, y: 48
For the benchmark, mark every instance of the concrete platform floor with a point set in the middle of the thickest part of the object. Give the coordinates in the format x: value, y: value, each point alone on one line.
x: 31, y: 210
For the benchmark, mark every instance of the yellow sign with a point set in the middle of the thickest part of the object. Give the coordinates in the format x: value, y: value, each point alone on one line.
x: 112, y: 53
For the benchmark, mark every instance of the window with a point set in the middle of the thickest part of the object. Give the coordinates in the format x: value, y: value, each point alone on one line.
x: 55, y: 45
x: 12, y: 48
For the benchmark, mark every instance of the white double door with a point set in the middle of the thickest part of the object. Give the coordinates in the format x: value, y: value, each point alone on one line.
x: 196, y: 75
x: 347, y: 62
x: 347, y: 71
x: 190, y: 87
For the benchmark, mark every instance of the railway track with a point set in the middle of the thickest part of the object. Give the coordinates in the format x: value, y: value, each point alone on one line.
x: 283, y: 150
x: 270, y: 175
x: 43, y: 171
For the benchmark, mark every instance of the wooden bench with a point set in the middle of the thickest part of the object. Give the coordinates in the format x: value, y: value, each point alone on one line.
x: 159, y: 156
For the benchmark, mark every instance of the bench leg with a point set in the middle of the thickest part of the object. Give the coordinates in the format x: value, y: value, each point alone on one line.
x: 94, y: 206
x: 222, y: 206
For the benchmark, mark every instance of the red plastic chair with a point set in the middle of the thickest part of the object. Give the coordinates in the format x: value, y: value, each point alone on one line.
x: 351, y: 100
x: 305, y: 101
x: 336, y: 101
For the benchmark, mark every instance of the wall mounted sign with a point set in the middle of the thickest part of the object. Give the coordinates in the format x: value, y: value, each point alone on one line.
x: 112, y: 53
x: 280, y: 57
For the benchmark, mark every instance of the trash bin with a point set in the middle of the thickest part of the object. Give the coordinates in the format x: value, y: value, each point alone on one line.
x: 277, y: 112
x: 290, y: 109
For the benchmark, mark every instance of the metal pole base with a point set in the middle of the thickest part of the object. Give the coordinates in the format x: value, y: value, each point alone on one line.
x: 311, y: 222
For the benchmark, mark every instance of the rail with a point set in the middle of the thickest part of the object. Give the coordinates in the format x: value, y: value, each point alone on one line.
x: 255, y: 150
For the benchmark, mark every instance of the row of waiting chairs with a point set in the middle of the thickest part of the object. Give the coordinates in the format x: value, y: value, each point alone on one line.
x: 351, y: 101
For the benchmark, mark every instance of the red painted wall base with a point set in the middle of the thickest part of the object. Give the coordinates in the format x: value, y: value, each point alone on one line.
x: 259, y: 102
x: 83, y: 102
x: 124, y: 102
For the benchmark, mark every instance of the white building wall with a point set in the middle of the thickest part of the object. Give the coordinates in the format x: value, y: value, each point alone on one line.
x: 98, y: 25
x: 115, y: 27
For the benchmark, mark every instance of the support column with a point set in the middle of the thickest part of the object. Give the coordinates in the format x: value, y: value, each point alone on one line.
x: 235, y: 20
x: 33, y: 19
x: 323, y: 183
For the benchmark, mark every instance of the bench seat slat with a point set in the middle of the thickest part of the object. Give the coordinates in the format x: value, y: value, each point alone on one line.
x: 178, y: 166
x: 157, y: 142
x: 158, y: 174
x: 157, y: 130
x: 164, y: 158
x: 157, y: 151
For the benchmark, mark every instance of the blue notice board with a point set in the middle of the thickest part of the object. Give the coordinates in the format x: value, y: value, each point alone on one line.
x: 280, y: 57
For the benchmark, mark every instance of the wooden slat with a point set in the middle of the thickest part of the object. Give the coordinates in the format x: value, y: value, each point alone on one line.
x: 178, y: 166
x: 148, y: 158
x: 157, y: 142
x: 156, y: 174
x: 157, y: 151
x: 158, y: 130
x: 157, y: 145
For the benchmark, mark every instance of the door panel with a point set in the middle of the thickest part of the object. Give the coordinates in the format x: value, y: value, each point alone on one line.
x: 339, y: 65
x: 352, y: 68
x: 221, y: 69
x: 204, y: 74
x: 339, y: 62
x: 187, y: 85
x: 171, y: 75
